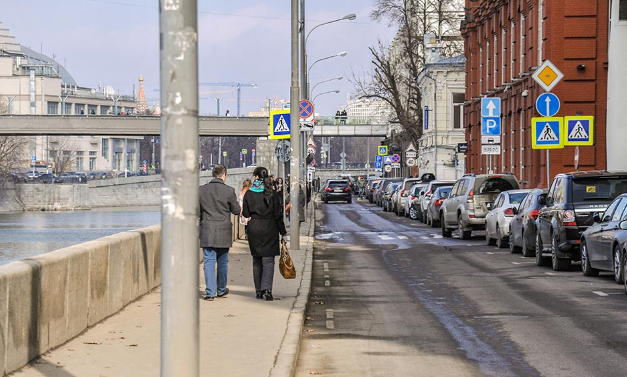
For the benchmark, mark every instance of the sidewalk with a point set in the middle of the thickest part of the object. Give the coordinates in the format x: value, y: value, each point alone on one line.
x: 239, y: 335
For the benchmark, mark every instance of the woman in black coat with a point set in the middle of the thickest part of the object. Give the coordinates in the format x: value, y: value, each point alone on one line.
x: 263, y: 207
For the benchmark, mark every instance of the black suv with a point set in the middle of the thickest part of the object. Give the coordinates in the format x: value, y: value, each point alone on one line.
x: 571, y: 203
x: 337, y: 189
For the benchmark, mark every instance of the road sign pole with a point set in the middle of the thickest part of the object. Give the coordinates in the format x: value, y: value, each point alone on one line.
x: 295, y: 136
x: 548, y: 167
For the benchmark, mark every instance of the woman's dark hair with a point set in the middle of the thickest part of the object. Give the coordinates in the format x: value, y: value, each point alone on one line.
x: 262, y: 173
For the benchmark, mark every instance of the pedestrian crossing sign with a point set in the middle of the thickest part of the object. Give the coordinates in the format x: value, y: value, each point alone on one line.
x: 579, y: 130
x: 546, y: 133
x: 280, y: 124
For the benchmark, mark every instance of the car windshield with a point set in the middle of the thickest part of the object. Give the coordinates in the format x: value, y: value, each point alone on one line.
x: 444, y: 190
x: 494, y: 185
x: 598, y: 188
x: 334, y: 184
x: 517, y: 197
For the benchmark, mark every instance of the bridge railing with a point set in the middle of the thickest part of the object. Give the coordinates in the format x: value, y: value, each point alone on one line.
x: 344, y: 119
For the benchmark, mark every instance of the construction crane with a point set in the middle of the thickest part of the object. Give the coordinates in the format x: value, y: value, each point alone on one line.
x: 237, y: 85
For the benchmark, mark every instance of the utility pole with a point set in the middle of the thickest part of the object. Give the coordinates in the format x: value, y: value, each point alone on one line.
x: 295, y: 137
x: 179, y: 189
x: 304, y: 87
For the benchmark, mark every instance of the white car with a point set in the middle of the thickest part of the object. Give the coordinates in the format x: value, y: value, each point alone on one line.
x: 411, y: 202
x: 501, y: 213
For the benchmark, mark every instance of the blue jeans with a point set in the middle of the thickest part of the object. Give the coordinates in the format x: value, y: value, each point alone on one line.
x: 210, y: 255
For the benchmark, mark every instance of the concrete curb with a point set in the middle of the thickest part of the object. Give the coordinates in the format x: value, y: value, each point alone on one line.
x: 287, y: 356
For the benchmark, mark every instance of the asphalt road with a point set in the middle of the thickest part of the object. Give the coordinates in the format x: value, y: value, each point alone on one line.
x: 391, y: 297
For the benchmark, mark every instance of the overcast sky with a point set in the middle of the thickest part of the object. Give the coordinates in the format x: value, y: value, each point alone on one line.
x: 246, y: 41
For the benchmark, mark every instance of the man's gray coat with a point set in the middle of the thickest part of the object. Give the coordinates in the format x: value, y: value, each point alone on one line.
x: 217, y: 202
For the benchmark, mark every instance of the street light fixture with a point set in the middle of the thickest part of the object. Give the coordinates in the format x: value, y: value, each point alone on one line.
x: 340, y: 54
x: 318, y: 95
x: 323, y: 81
x: 349, y: 17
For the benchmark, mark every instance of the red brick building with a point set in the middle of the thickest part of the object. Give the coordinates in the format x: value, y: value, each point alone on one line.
x: 505, y: 42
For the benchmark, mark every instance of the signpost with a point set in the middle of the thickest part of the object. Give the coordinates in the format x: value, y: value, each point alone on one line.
x: 490, y: 127
x: 280, y: 124
x: 547, y: 104
x: 579, y: 130
x: 382, y: 150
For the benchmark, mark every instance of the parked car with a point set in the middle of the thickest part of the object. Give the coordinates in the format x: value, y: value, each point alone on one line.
x: 378, y: 194
x: 603, y: 243
x: 46, y: 178
x: 398, y: 200
x: 433, y: 207
x: 20, y: 177
x: 371, y: 188
x: 413, y: 200
x: 501, y: 213
x: 425, y: 198
x: 572, y: 200
x: 522, y: 228
x: 32, y: 175
x: 466, y: 207
x: 386, y: 197
x: 337, y: 189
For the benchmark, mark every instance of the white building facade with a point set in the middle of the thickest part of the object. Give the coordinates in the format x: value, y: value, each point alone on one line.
x: 32, y: 83
x: 442, y: 84
x: 616, y: 84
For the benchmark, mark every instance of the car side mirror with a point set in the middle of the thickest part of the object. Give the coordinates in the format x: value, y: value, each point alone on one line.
x: 489, y: 206
x: 596, y: 217
x: 542, y: 200
x: 623, y: 225
x: 515, y: 210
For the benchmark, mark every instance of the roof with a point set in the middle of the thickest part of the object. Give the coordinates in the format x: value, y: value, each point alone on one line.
x: 35, y: 57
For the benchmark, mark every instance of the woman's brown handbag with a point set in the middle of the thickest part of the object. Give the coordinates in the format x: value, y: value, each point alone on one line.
x: 286, y: 266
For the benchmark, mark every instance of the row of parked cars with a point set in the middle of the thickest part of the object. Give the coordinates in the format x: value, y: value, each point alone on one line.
x: 582, y: 216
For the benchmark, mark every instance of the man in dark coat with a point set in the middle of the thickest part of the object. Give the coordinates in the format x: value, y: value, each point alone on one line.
x: 217, y: 202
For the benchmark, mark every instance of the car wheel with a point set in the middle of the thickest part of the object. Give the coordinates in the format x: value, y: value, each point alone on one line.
x: 463, y: 234
x: 326, y: 201
x: 412, y: 213
x: 625, y: 271
x: 489, y: 240
x: 349, y: 200
x: 433, y: 222
x: 540, y: 260
x: 512, y: 248
x: 558, y: 264
x: 526, y: 251
x: 618, y: 267
x: 420, y: 216
x: 501, y: 242
x: 445, y: 231
x: 586, y: 268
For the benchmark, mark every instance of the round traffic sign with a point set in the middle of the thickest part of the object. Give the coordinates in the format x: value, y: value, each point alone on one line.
x: 410, y: 162
x: 396, y: 158
x: 387, y: 168
x: 306, y: 109
x: 547, y: 104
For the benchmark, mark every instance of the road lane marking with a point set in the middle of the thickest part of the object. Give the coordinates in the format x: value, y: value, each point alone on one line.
x: 599, y: 293
x: 515, y: 262
x: 330, y: 325
x: 402, y: 237
x: 489, y: 252
x: 326, y: 276
x: 329, y: 313
x: 326, y: 267
x: 386, y: 237
x: 550, y: 274
x: 523, y: 262
x: 424, y: 237
x: 327, y: 283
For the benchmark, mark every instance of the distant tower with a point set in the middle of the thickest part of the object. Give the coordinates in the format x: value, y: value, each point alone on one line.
x: 142, y: 104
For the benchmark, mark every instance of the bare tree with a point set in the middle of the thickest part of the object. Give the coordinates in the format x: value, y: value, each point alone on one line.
x: 396, y: 67
x: 62, y: 153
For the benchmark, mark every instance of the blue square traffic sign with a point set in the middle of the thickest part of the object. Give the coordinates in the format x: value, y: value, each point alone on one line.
x: 491, y: 107
x: 280, y: 124
x: 546, y: 133
x: 579, y: 130
x: 378, y: 158
x: 378, y: 165
x: 490, y: 126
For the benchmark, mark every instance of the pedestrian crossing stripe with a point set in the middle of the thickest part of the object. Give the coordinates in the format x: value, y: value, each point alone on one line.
x: 280, y: 124
x: 579, y: 130
x: 547, y: 133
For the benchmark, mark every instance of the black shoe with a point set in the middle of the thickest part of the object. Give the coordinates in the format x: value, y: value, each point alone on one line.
x: 226, y: 292
x: 268, y: 295
x: 207, y: 298
x: 259, y: 296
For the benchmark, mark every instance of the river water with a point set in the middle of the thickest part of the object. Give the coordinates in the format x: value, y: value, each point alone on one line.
x: 25, y: 234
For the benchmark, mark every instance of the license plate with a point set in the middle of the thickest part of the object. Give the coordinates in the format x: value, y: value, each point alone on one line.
x: 338, y: 190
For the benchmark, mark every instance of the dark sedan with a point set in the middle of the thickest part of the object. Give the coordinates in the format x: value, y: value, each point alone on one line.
x: 337, y: 190
x: 603, y: 243
x: 522, y: 227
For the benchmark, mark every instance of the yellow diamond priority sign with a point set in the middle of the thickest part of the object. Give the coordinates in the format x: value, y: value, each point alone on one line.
x: 547, y: 75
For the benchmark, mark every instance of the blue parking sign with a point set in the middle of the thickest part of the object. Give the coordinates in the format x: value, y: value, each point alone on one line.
x: 490, y: 126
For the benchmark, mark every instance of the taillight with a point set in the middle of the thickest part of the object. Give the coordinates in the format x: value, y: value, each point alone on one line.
x: 439, y: 202
x: 412, y: 198
x: 402, y: 192
x: 371, y: 190
x: 428, y: 194
x: 508, y: 212
x: 329, y: 189
x: 569, y: 219
x: 533, y: 214
x: 347, y: 189
x: 471, y: 195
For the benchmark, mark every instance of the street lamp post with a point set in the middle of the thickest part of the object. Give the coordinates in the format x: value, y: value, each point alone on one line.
x: 323, y: 81
x: 318, y: 95
x: 339, y: 54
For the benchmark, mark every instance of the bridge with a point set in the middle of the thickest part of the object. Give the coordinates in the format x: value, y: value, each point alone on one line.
x: 22, y: 125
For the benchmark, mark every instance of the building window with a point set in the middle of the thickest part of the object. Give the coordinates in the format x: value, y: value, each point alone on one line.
x: 79, y: 160
x: 105, y: 148
x: 104, y: 110
x: 79, y: 109
x: 458, y: 110
x: 53, y: 108
x: 92, y: 109
x: 92, y: 160
x: 68, y: 109
x: 622, y: 10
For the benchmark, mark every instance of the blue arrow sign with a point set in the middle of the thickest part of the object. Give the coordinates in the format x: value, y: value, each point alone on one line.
x: 491, y: 107
x: 490, y: 126
x: 547, y: 104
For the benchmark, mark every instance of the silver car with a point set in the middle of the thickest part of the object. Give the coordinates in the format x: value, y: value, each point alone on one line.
x: 433, y: 207
x: 411, y: 203
x: 501, y: 213
x: 425, y: 197
x: 399, y: 199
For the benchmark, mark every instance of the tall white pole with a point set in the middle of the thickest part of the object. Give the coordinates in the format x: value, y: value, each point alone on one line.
x: 295, y: 137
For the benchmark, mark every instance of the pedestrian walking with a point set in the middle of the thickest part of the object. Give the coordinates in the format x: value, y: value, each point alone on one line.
x: 244, y: 220
x: 217, y: 202
x: 361, y: 184
x: 262, y: 206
